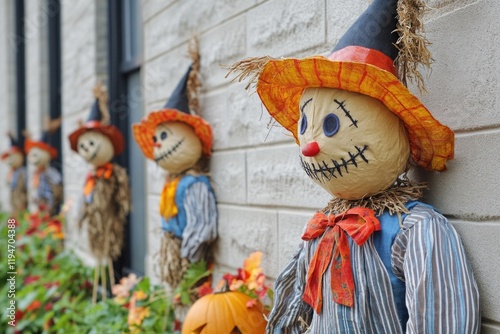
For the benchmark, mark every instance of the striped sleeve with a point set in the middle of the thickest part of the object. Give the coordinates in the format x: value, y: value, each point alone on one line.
x: 201, y: 225
x: 441, y: 292
x: 290, y: 315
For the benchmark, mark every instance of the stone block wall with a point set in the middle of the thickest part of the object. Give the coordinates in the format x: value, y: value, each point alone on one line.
x: 264, y: 198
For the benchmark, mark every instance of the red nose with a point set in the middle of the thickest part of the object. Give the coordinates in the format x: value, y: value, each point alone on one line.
x: 310, y: 149
x: 156, y: 145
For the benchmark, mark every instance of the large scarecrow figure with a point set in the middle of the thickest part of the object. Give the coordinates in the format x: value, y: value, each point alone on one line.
x: 375, y: 260
x: 17, y: 178
x: 180, y: 141
x: 46, y: 181
x: 106, y: 191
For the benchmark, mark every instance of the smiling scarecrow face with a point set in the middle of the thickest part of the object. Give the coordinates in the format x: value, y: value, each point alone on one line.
x: 15, y: 159
x: 176, y: 147
x: 38, y: 157
x: 95, y: 148
x: 350, y: 144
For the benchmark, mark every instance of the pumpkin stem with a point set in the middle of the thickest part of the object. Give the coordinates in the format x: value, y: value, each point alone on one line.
x: 224, y: 288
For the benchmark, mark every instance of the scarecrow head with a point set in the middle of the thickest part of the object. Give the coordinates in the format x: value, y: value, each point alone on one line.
x: 356, y: 123
x: 96, y: 140
x: 40, y: 152
x: 173, y: 137
x: 15, y: 155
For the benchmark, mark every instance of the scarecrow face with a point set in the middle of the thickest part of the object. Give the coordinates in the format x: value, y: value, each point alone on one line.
x: 176, y: 147
x: 38, y: 157
x: 15, y: 160
x: 351, y: 144
x: 95, y: 148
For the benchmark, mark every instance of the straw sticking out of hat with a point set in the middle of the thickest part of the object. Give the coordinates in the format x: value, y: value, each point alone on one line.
x: 248, y: 68
x: 412, y: 44
x: 194, y: 83
x: 101, y: 95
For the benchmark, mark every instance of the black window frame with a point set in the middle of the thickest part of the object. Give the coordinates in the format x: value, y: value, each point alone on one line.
x: 53, y: 11
x: 119, y: 71
x: 20, y: 68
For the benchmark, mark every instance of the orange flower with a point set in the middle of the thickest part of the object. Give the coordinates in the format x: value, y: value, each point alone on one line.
x: 136, y: 315
x: 34, y: 306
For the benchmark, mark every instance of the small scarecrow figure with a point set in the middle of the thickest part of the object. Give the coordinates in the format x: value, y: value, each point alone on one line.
x: 106, y: 191
x: 17, y: 178
x: 47, y: 181
x: 180, y: 142
x: 374, y: 260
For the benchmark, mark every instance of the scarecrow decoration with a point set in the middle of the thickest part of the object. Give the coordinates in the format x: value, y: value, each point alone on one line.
x: 180, y: 142
x: 106, y: 191
x: 17, y: 178
x: 47, y: 181
x: 374, y: 260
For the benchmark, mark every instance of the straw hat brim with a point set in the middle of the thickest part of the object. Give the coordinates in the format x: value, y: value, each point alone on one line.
x: 29, y: 144
x: 11, y: 150
x: 110, y: 131
x: 281, y: 83
x: 144, y: 131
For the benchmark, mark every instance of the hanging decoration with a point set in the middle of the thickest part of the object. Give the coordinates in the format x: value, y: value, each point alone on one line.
x: 180, y: 142
x: 47, y: 180
x: 365, y: 256
x: 17, y: 178
x: 106, y: 193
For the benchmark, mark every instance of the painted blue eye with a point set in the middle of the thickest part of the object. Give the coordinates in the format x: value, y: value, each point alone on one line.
x: 303, y: 124
x: 331, y: 125
x: 163, y: 135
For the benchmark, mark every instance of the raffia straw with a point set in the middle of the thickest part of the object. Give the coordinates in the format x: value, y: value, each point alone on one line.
x: 412, y: 44
x: 51, y: 125
x: 248, y: 69
x: 101, y: 94
x: 392, y: 199
x: 194, y: 83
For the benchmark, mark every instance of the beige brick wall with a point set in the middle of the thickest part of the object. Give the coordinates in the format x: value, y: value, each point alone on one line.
x: 264, y: 197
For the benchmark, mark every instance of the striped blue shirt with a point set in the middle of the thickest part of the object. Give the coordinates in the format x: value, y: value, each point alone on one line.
x: 415, y: 280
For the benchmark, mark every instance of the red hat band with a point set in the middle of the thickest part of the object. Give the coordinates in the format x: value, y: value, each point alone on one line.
x: 360, y: 54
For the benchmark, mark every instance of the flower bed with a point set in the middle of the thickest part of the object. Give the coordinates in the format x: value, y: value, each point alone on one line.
x: 53, y: 292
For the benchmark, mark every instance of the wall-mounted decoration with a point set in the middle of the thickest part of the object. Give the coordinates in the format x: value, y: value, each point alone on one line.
x: 180, y: 142
x: 47, y: 181
x: 17, y: 177
x: 375, y: 259
x: 106, y: 193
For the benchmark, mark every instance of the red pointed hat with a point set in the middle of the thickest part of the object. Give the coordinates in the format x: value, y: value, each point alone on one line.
x: 362, y: 62
x: 43, y: 143
x: 15, y: 147
x: 95, y: 122
x: 175, y: 110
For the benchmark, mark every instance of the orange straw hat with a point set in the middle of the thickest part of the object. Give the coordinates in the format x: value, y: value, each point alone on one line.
x: 362, y: 62
x: 43, y: 143
x: 175, y: 110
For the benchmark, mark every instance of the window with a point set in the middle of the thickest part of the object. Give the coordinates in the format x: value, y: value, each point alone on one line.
x: 125, y: 96
x: 20, y: 56
x: 53, y: 11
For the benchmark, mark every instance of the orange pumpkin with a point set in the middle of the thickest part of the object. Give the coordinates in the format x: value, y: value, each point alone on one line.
x: 225, y: 312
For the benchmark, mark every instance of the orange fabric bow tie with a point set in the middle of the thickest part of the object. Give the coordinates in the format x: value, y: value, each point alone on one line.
x: 359, y: 223
x: 103, y: 171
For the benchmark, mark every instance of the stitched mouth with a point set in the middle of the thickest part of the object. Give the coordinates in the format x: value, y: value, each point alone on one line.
x: 170, y: 151
x: 95, y: 153
x: 324, y: 171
